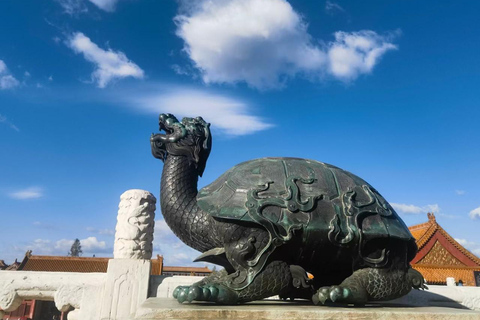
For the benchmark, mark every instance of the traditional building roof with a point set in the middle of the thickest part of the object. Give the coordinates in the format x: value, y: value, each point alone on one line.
x: 12, y: 267
x: 93, y: 264
x: 187, y: 269
x: 63, y: 264
x: 440, y: 256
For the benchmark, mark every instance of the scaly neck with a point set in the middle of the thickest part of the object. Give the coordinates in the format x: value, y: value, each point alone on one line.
x: 179, y: 205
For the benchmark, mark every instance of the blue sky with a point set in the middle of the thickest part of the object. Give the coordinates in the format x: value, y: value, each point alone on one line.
x: 388, y: 91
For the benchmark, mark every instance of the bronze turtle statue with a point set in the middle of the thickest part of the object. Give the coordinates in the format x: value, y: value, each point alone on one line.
x: 270, y: 222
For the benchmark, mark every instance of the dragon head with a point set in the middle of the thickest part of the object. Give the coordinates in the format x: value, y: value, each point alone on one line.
x: 190, y: 138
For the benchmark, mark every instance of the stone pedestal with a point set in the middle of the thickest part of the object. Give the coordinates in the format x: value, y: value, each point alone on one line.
x: 128, y: 274
x: 170, y: 309
x: 126, y: 287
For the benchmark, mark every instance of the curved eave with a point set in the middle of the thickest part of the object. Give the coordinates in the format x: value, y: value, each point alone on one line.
x: 426, y: 234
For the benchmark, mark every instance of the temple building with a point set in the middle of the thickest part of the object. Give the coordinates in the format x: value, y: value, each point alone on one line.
x: 440, y: 256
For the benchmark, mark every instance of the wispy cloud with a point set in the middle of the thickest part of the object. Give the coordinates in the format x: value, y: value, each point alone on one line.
x: 475, y: 213
x: 465, y: 242
x: 108, y: 232
x: 263, y: 43
x: 332, y: 7
x: 230, y: 116
x: 106, y: 5
x: 472, y: 246
x: 73, y: 7
x: 109, y: 65
x: 5, y: 121
x: 173, y: 250
x: 7, y: 81
x: 43, y: 225
x: 460, y: 192
x: 413, y: 209
x: 448, y: 216
x: 28, y: 193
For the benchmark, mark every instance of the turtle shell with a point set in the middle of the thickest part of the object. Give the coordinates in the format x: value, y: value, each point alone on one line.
x: 302, y: 190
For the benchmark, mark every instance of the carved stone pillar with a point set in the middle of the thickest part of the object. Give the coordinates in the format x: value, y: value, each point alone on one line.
x: 129, y: 272
x: 135, y: 223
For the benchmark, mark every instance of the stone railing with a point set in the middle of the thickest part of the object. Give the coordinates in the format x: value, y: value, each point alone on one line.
x: 80, y: 291
x: 116, y: 294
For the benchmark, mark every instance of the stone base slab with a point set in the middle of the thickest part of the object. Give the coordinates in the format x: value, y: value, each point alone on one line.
x: 170, y: 309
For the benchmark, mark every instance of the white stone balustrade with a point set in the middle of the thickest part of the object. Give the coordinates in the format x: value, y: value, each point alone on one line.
x: 114, y: 295
x: 80, y: 291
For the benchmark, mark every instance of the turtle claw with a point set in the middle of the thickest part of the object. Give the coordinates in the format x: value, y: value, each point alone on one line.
x: 212, y: 292
x: 333, y: 293
x: 194, y: 293
x: 323, y: 294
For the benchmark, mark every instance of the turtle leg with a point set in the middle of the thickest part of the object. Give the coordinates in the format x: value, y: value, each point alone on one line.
x: 275, y: 279
x: 372, y: 284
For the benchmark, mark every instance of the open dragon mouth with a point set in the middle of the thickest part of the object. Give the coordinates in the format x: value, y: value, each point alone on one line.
x: 174, y: 130
x: 163, y: 127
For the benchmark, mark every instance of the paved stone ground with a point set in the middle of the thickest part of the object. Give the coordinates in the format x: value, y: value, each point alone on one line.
x: 161, y: 308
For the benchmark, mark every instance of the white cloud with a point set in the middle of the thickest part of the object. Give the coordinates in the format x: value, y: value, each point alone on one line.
x: 173, y: 250
x: 472, y: 246
x: 180, y: 258
x: 106, y: 5
x: 413, y: 209
x: 162, y: 230
x: 332, y: 7
x: 64, y: 245
x: 226, y: 114
x: 41, y: 247
x: 465, y: 242
x: 73, y: 7
x: 164, y: 237
x: 460, y: 192
x: 5, y: 121
x: 28, y: 193
x: 264, y: 42
x: 355, y: 53
x: 90, y: 245
x: 109, y: 64
x: 475, y: 213
x: 7, y: 81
